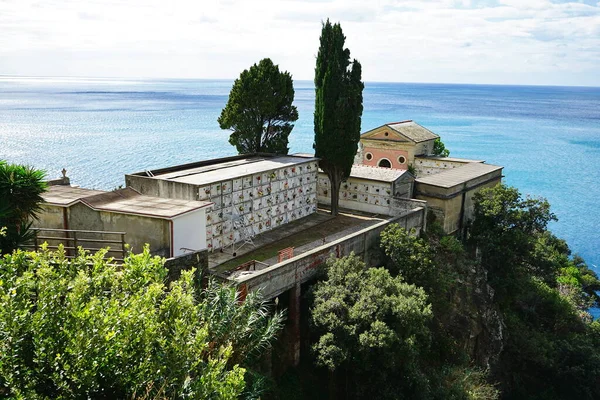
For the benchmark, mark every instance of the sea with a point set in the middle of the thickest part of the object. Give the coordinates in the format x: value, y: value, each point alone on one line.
x: 98, y: 129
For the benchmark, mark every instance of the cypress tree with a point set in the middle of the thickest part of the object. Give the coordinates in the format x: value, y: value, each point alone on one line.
x: 338, y: 108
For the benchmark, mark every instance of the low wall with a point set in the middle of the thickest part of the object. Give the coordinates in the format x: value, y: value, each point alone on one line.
x: 399, y: 206
x: 434, y: 165
x: 278, y: 278
x: 197, y: 259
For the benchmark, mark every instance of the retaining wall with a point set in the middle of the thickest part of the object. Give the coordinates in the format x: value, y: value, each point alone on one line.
x: 278, y: 278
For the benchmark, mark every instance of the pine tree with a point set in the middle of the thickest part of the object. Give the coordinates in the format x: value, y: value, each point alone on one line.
x: 259, y: 110
x: 338, y: 108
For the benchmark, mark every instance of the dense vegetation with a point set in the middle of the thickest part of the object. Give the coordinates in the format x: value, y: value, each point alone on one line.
x: 338, y: 108
x: 502, y: 314
x: 87, y: 329
x: 259, y: 110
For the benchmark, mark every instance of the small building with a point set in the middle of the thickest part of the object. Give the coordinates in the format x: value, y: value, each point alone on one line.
x: 446, y: 183
x: 395, y: 145
x: 170, y: 227
x: 449, y: 194
x: 251, y: 193
x: 369, y: 189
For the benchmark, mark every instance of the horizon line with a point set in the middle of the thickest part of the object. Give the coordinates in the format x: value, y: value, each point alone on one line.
x: 124, y: 78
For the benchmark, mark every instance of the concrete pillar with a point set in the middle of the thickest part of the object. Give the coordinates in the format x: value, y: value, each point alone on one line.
x: 294, y: 324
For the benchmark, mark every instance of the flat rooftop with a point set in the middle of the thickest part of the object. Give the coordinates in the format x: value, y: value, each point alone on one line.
x: 377, y: 173
x: 451, y: 159
x: 65, y: 195
x: 456, y: 176
x: 207, y: 172
x: 129, y: 201
x: 125, y: 201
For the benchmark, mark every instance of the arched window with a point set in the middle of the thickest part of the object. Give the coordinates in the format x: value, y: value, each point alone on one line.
x: 385, y: 163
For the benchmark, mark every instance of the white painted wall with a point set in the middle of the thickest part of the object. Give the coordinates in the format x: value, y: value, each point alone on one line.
x: 189, y: 231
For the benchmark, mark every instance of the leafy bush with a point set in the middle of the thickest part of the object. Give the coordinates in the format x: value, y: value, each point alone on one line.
x: 21, y: 189
x: 409, y: 255
x: 90, y: 329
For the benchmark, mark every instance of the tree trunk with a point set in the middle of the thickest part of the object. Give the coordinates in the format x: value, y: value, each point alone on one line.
x: 336, y: 181
x: 332, y: 385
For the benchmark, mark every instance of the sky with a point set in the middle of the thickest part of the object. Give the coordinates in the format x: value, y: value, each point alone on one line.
x: 538, y: 42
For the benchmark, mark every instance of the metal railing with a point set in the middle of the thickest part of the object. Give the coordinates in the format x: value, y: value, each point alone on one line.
x: 72, y: 239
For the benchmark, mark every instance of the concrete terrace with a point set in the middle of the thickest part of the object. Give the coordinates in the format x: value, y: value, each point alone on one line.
x: 304, y: 235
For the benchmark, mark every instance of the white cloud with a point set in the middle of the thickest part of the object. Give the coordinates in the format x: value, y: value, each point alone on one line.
x: 431, y: 40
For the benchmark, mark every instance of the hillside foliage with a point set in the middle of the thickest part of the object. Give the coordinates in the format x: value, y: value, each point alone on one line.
x: 500, y: 315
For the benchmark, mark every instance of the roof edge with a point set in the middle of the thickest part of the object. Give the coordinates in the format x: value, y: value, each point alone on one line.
x: 203, y: 163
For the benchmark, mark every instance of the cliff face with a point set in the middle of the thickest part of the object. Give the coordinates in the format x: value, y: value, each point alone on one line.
x: 474, y: 320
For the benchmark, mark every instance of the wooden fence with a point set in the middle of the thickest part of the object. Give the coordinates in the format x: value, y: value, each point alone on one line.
x: 72, y: 239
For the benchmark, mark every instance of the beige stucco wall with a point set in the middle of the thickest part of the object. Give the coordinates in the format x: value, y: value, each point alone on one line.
x: 162, y: 188
x: 51, y: 217
x: 424, y: 148
x: 139, y: 229
x: 446, y: 203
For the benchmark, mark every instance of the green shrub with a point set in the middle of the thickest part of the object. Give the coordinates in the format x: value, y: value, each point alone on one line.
x: 90, y: 329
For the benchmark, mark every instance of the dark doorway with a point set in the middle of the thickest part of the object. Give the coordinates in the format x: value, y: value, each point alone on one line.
x: 384, y: 163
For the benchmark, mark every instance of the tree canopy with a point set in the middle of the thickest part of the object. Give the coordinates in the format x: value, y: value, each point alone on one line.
x: 88, y: 329
x: 439, y: 148
x: 502, y: 314
x: 21, y: 189
x: 259, y: 110
x: 338, y: 108
x: 373, y: 327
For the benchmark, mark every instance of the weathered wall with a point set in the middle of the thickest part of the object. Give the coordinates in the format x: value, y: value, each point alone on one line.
x: 253, y: 203
x: 162, y: 188
x: 368, y: 196
x: 424, y: 148
x: 399, y: 206
x: 198, y: 260
x: 278, y: 278
x: 358, y: 194
x: 434, y: 165
x: 51, y: 217
x: 447, y: 203
x: 139, y: 229
x: 390, y: 150
x: 403, y: 188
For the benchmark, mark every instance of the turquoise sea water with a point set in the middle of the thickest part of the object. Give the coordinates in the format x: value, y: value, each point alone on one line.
x: 548, y: 138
